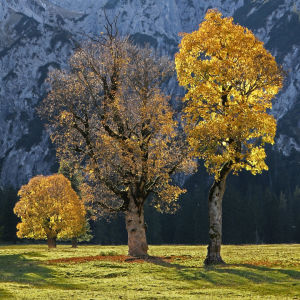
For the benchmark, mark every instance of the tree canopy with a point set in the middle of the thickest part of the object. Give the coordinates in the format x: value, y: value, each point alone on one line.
x: 109, y: 115
x: 230, y: 80
x: 49, y: 208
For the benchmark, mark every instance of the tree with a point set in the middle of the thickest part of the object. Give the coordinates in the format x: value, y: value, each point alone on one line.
x: 271, y: 221
x: 49, y: 209
x: 8, y: 219
x: 230, y: 80
x: 67, y: 169
x: 76, y: 179
x: 109, y: 115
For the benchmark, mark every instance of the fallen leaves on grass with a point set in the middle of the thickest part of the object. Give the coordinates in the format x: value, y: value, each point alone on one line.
x: 76, y: 260
x: 115, y: 258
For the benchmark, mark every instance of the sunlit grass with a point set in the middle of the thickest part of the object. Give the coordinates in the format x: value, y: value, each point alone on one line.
x: 252, y: 272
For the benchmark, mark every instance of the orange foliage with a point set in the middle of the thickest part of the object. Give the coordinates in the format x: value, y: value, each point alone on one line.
x: 49, y: 208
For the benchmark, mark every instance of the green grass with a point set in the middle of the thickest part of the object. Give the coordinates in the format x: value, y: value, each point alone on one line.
x: 252, y: 272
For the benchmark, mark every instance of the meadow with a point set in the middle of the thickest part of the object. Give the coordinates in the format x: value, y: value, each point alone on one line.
x: 172, y: 272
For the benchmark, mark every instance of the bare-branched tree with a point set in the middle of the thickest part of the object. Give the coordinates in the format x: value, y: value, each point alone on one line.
x: 110, y: 116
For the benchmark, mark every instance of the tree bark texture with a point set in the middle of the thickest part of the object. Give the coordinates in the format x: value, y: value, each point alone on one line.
x: 215, y: 218
x: 51, y: 242
x: 136, y: 228
x: 74, y: 242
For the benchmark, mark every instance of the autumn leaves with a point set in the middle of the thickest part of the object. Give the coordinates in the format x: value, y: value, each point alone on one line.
x: 50, y: 209
x: 111, y: 118
x: 230, y: 80
x: 230, y: 88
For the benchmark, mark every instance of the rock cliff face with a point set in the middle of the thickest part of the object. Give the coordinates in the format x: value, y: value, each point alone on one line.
x: 33, y: 40
x: 37, y: 36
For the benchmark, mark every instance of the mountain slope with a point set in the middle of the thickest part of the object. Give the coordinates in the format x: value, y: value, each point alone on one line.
x: 38, y: 35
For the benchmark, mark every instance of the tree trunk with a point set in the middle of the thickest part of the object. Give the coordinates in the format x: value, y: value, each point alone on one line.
x: 215, y: 217
x: 74, y: 242
x: 51, y: 242
x: 136, y: 228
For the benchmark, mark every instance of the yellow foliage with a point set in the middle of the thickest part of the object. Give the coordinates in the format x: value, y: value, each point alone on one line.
x: 49, y: 208
x: 230, y: 80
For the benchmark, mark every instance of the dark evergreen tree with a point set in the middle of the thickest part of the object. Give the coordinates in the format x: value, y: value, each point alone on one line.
x: 285, y: 220
x: 9, y: 220
x: 100, y: 232
x: 272, y: 218
x: 200, y: 216
x: 232, y: 220
x: 249, y: 218
x: 296, y: 215
x: 67, y: 169
x: 153, y: 222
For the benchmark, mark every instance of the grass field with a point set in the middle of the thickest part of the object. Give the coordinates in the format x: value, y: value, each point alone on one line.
x: 176, y: 272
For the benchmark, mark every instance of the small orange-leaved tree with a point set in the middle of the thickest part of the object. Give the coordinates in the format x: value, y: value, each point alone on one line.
x: 231, y: 79
x: 49, y: 209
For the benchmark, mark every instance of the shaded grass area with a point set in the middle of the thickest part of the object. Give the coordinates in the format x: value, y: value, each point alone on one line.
x: 173, y: 272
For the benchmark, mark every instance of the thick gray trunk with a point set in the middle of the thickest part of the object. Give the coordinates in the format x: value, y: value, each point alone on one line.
x: 215, y: 218
x: 136, y: 228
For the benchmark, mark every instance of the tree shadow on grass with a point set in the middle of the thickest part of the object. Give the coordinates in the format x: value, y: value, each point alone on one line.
x: 291, y: 273
x: 262, y: 279
x: 256, y: 274
x: 294, y: 274
x: 156, y: 260
x: 234, y: 275
x: 16, y: 268
x: 5, y: 294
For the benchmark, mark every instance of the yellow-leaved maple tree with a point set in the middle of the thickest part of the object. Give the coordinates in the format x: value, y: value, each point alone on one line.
x: 49, y: 209
x: 110, y: 117
x: 230, y: 80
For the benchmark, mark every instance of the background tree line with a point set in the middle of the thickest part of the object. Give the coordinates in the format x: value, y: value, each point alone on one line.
x: 256, y: 209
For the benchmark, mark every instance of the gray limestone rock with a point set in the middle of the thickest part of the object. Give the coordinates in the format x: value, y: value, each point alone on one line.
x: 38, y: 35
